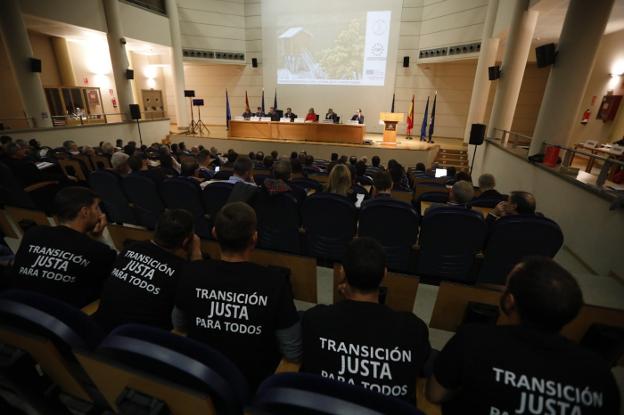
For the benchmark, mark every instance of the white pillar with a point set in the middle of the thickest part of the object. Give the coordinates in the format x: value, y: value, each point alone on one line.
x: 481, y: 84
x: 582, y: 31
x: 512, y: 70
x: 177, y: 66
x: 118, y: 57
x: 20, y: 51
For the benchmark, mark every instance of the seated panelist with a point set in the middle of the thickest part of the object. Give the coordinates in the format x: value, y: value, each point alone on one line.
x: 273, y: 114
x: 259, y: 112
x: 289, y: 113
x: 358, y: 116
x: 248, y: 114
x: 331, y: 115
x: 311, y: 116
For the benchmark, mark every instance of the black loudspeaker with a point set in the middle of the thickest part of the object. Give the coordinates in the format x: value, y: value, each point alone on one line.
x: 545, y: 55
x: 254, y: 62
x: 477, y: 134
x: 494, y: 73
x: 135, y: 111
x: 406, y: 61
x: 198, y: 102
x: 189, y: 93
x: 129, y: 74
x: 35, y: 65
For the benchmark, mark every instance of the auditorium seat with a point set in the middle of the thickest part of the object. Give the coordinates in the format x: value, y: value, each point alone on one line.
x: 513, y: 238
x: 146, y: 202
x: 124, y: 235
x: 394, y: 224
x: 222, y: 175
x: 116, y: 205
x: 450, y: 237
x: 427, y: 187
x: 215, y: 196
x: 430, y: 197
x: 27, y: 218
x: 305, y: 393
x: 308, y: 184
x: 278, y: 222
x: 100, y: 162
x: 329, y: 222
x: 72, y: 168
x: 42, y: 331
x: 487, y: 203
x: 137, y: 366
x: 179, y: 193
x: 36, y: 196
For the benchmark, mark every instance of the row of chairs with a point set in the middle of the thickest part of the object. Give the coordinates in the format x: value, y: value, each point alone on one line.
x: 138, y: 369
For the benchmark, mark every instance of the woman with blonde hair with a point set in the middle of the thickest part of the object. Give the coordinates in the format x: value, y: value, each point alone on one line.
x: 340, y: 180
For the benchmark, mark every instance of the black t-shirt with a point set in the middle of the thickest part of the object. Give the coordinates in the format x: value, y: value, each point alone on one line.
x: 519, y: 370
x: 62, y: 263
x: 141, y: 287
x: 236, y: 307
x: 366, y: 344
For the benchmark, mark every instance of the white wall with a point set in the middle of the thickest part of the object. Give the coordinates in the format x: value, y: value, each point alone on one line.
x: 451, y: 22
x: 91, y: 135
x: 144, y: 25
x: 590, y: 229
x: 83, y: 13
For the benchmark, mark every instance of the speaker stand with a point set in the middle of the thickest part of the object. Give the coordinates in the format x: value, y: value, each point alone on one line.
x: 474, y: 153
x: 192, y: 125
x: 200, y: 124
x: 140, y: 138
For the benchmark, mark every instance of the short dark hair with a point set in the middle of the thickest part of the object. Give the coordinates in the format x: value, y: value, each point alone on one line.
x: 309, y: 160
x: 242, y: 165
x: 69, y: 201
x: 274, y: 154
x: 268, y: 162
x: 360, y: 168
x: 282, y: 170
x: 375, y: 161
x: 352, y: 160
x: 420, y: 167
x: 334, y: 156
x: 294, y: 155
x: 136, y: 161
x: 364, y: 264
x: 173, y: 227
x: 547, y: 296
x: 383, y: 180
x: 188, y: 167
x: 203, y: 155
x: 5, y: 139
x: 463, y: 176
x: 234, y: 225
x: 524, y: 201
x: 259, y: 156
x: 296, y: 166
x: 232, y: 156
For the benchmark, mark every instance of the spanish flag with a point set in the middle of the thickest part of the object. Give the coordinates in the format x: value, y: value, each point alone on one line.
x: 410, y: 117
x: 247, y: 109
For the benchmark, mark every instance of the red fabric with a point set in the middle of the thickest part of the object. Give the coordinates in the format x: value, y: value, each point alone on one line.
x: 310, y: 117
x: 551, y: 156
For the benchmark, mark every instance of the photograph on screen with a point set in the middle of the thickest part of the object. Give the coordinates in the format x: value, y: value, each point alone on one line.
x: 349, y: 49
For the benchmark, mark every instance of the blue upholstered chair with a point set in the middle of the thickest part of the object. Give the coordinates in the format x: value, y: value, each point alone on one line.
x: 116, y: 205
x: 146, y: 202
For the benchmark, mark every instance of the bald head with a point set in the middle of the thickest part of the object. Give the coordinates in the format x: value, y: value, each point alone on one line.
x: 524, y: 202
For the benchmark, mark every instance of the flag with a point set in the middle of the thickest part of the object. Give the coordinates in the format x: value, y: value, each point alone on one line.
x: 431, y: 125
x: 410, y: 117
x: 263, y: 100
x: 275, y: 100
x: 392, y: 108
x: 247, y: 109
x: 423, y: 128
x: 228, y: 113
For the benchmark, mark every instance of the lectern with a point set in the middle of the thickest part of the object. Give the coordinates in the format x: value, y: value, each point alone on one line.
x: 390, y: 119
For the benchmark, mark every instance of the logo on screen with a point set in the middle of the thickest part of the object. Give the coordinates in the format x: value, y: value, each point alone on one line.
x: 377, y: 49
x: 380, y: 27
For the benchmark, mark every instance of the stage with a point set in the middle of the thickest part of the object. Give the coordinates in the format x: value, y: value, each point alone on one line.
x: 407, y: 152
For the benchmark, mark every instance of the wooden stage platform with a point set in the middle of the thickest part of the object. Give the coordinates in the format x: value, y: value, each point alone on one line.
x: 406, y: 152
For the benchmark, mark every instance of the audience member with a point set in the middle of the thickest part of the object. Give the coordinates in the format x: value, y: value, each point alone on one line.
x: 205, y: 165
x: 63, y: 261
x: 463, y: 176
x: 399, y: 177
x: 242, y: 171
x: 138, y: 167
x: 382, y: 185
x: 525, y: 366
x: 167, y: 164
x: 190, y: 171
x: 517, y: 203
x: 339, y: 181
x: 487, y: 183
x: 259, y: 112
x: 274, y: 155
x: 142, y: 285
x: 24, y: 170
x: 330, y: 331
x: 242, y: 309
x: 309, y: 166
x: 119, y: 163
x: 460, y: 194
x: 361, y: 177
x: 267, y: 162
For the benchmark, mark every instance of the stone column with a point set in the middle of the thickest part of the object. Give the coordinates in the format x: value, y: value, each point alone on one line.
x: 20, y: 51
x: 582, y: 31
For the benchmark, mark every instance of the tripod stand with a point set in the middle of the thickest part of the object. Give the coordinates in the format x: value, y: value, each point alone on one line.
x: 192, y: 125
x: 199, y: 126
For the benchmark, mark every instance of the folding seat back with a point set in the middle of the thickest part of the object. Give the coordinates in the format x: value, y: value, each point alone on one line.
x: 11, y: 191
x: 487, y: 203
x: 142, y: 367
x: 514, y: 237
x: 330, y: 222
x: 36, y: 329
x: 450, y: 237
x: 308, y: 184
x: 305, y: 393
x: 72, y: 168
x: 394, y: 224
x: 278, y: 222
x: 108, y: 187
x: 182, y: 194
x: 146, y: 202
x: 425, y: 199
x: 215, y: 196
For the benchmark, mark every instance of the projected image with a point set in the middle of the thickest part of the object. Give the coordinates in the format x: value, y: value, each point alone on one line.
x: 353, y: 53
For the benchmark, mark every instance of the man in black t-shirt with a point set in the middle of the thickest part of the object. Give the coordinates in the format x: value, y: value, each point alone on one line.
x: 244, y: 310
x: 360, y: 341
x: 142, y: 285
x: 63, y: 261
x: 526, y: 367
